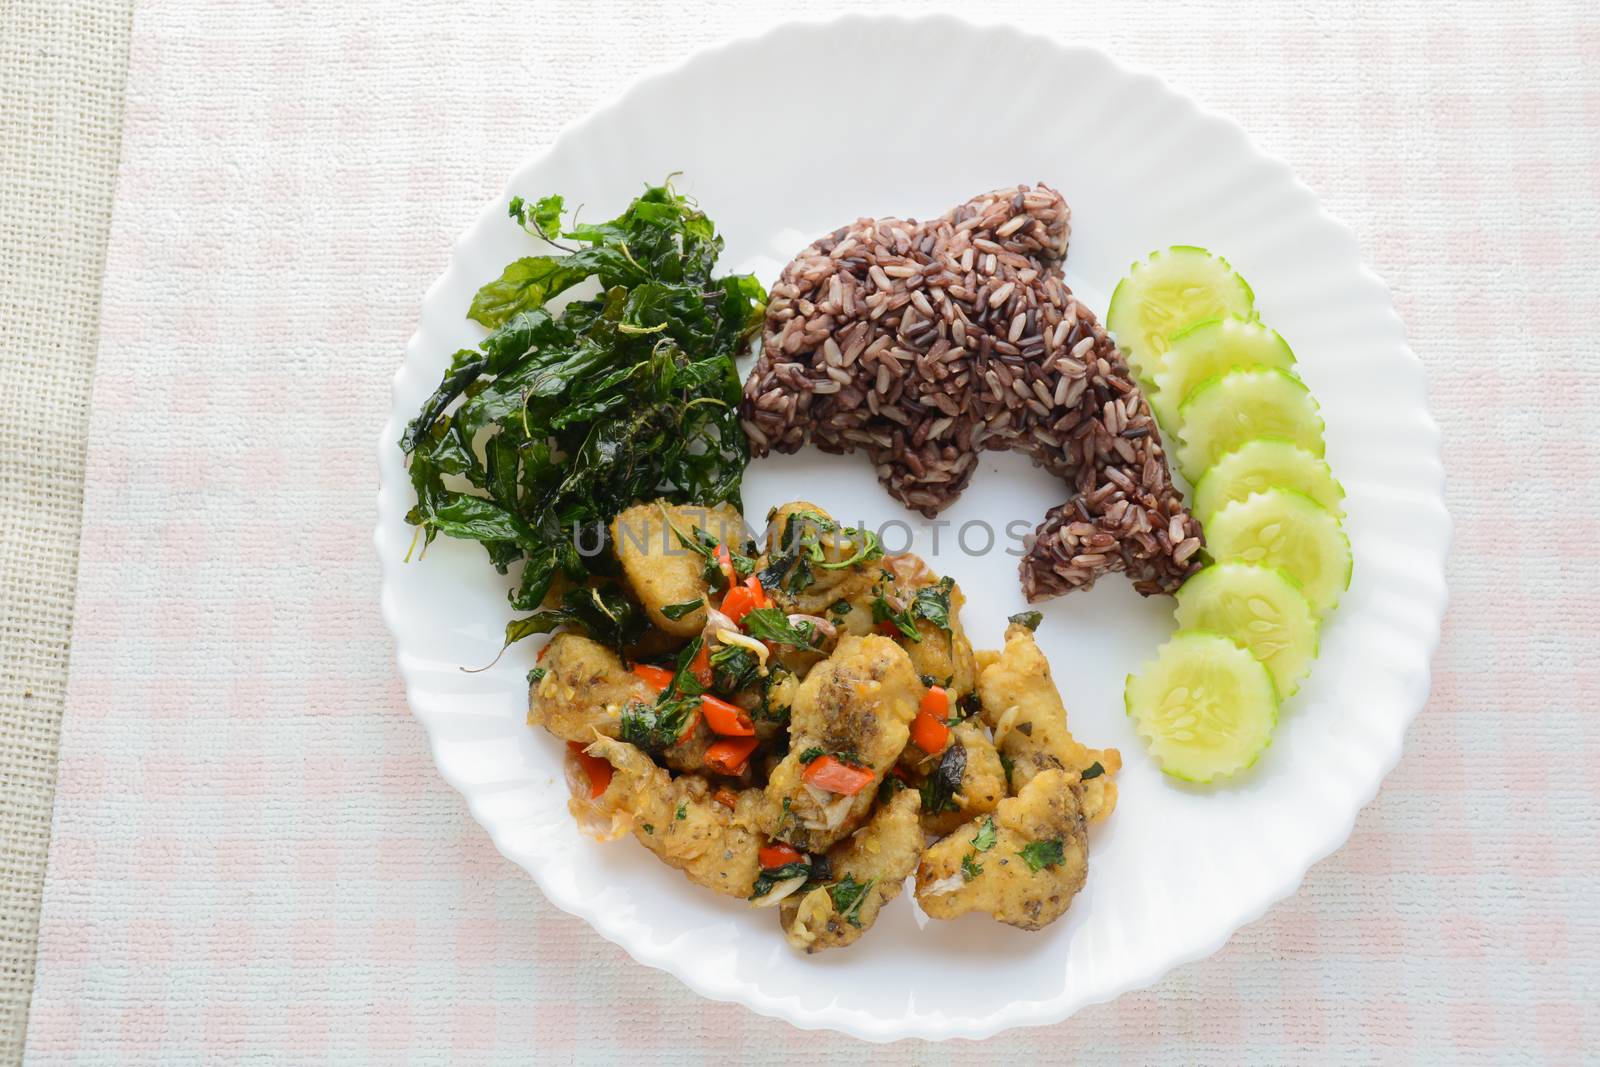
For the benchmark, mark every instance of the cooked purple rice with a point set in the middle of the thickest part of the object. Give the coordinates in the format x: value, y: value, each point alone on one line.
x: 926, y: 343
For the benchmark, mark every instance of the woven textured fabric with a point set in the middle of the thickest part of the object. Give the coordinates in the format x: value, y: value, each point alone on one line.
x: 253, y: 858
x: 61, y: 72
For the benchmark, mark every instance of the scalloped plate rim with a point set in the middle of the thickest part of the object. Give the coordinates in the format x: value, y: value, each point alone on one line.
x: 1028, y: 1013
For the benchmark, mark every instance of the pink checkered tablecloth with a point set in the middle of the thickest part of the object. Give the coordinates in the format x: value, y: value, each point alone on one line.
x: 253, y: 858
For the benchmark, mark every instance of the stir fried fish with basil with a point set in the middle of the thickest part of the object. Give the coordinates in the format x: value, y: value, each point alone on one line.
x: 804, y: 725
x: 787, y: 724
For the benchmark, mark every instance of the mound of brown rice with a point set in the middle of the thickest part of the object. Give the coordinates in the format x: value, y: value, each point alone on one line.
x: 926, y: 343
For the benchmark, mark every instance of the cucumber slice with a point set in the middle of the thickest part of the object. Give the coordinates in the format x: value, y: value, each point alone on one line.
x: 1286, y: 529
x: 1209, y: 350
x: 1205, y: 706
x: 1226, y: 412
x: 1167, y: 292
x: 1261, y: 609
x: 1261, y: 464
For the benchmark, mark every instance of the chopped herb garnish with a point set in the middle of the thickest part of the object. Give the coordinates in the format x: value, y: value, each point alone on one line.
x: 649, y: 829
x: 788, y: 549
x: 819, y: 523
x: 903, y: 620
x: 982, y: 841
x: 733, y: 668
x: 803, y: 544
x: 847, y: 895
x: 799, y: 578
x: 683, y: 810
x: 770, y: 624
x: 678, y: 611
x: 1094, y: 770
x: 684, y: 681
x: 536, y: 676
x: 1042, y: 854
x: 769, y: 709
x: 705, y: 546
x: 1030, y: 619
x: 1006, y: 763
x: 771, y: 876
x: 839, y: 607
x: 814, y: 752
x: 889, y: 787
x: 654, y: 727
x: 932, y: 602
x: 868, y: 548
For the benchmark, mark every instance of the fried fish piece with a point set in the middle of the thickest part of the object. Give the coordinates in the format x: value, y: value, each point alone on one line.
x: 1023, y: 707
x: 676, y: 818
x: 864, y: 872
x: 1023, y: 864
x: 663, y: 572
x: 585, y: 690
x: 855, y: 707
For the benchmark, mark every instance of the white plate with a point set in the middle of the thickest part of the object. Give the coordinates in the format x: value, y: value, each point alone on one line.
x: 804, y: 129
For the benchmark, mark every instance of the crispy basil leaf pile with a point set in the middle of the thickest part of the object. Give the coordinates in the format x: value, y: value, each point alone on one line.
x: 558, y: 421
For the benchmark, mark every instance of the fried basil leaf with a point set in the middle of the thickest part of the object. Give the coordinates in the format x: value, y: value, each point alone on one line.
x: 603, y: 613
x: 903, y: 620
x: 932, y: 602
x: 678, y: 611
x: 847, y: 895
x: 770, y: 624
x: 770, y: 710
x: 940, y: 788
x: 771, y: 876
x: 734, y: 668
x: 654, y: 727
